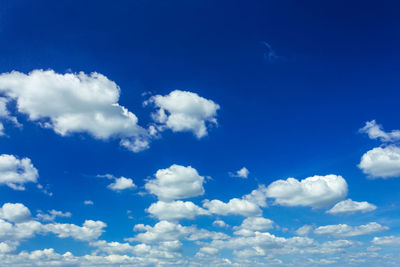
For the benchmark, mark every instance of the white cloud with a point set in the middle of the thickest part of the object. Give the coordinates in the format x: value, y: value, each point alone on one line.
x: 381, y: 162
x: 184, y: 111
x: 316, y: 191
x: 387, y: 240
x: 176, y: 182
x: 234, y: 206
x: 375, y: 131
x: 90, y: 230
x: 74, y: 103
x: 15, y: 173
x: 344, y: 230
x: 220, y: 223
x: 304, y: 230
x: 242, y: 173
x: 175, y: 210
x: 350, y: 206
x: 121, y: 184
x: 15, y: 212
x: 52, y: 214
x: 258, y: 196
x: 88, y: 202
x: 252, y: 224
x: 170, y: 231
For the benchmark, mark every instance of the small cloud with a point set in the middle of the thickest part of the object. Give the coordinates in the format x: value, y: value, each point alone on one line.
x: 88, y: 202
x: 119, y: 184
x: 242, y: 173
x: 270, y: 55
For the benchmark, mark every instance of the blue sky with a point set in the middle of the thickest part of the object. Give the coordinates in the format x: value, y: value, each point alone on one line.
x: 191, y: 133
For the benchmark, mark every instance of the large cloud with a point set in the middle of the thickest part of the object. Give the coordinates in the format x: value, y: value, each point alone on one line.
x: 176, y: 182
x: 350, y: 206
x: 15, y: 172
x: 316, y: 191
x: 234, y: 206
x: 184, y: 111
x: 381, y: 162
x: 74, y: 103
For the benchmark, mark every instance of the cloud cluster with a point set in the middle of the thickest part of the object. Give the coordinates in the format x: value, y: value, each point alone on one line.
x: 175, y: 210
x: 316, y: 191
x: 15, y: 173
x: 384, y: 161
x: 183, y: 111
x: 89, y: 103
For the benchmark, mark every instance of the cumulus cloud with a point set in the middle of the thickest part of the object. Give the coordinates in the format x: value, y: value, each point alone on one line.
x: 383, y: 162
x: 176, y: 182
x: 316, y: 191
x: 350, y: 206
x: 183, y: 111
x: 242, y: 173
x: 252, y: 224
x: 90, y: 230
x: 220, y: 223
x: 74, y: 103
x: 304, y: 230
x: 387, y: 240
x: 234, y: 206
x: 120, y: 183
x: 15, y: 173
x: 375, y: 131
x: 344, y: 230
x: 15, y: 212
x: 175, y: 210
x: 52, y: 214
x: 170, y: 231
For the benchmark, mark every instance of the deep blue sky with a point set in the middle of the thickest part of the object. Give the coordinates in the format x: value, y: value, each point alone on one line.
x: 295, y: 116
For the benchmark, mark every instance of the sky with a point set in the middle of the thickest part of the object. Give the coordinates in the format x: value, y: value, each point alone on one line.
x: 199, y: 133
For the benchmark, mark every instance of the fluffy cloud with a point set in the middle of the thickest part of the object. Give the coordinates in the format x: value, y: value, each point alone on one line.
x: 375, y: 131
x: 344, y: 230
x: 220, y: 223
x: 15, y: 172
x: 350, y: 206
x: 15, y: 212
x: 75, y: 103
x: 387, y: 240
x: 304, y: 230
x: 242, y: 173
x: 234, y: 206
x: 381, y: 162
x: 119, y: 184
x: 316, y: 191
x: 252, y: 224
x: 52, y: 214
x: 90, y: 230
x: 169, y: 231
x: 175, y: 210
x: 184, y: 111
x: 176, y: 182
x: 88, y: 202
